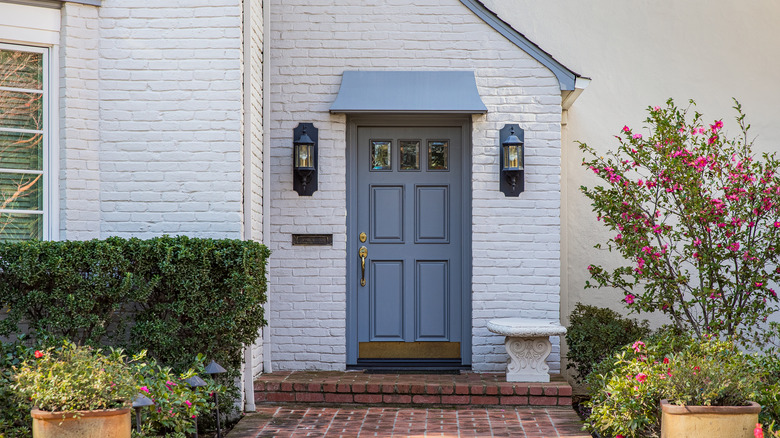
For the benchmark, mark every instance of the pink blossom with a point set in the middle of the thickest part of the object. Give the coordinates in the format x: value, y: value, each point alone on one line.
x: 641, y: 377
x: 637, y: 136
x: 758, y: 432
x: 629, y: 299
x: 656, y: 108
x: 144, y: 389
x: 626, y: 129
x: 696, y: 242
x: 759, y: 284
x: 712, y: 139
x: 188, y: 403
x: 638, y: 345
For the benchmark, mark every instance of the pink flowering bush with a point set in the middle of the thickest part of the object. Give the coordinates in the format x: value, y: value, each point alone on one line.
x: 627, y: 389
x: 175, y: 403
x: 697, y: 215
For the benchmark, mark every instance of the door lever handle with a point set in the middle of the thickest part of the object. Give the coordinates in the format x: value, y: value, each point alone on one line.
x: 363, y: 253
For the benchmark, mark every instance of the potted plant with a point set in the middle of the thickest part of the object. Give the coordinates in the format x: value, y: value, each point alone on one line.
x: 678, y: 386
x: 708, y: 390
x: 78, y: 391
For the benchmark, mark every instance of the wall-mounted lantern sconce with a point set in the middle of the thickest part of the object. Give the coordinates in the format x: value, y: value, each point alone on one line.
x: 512, y: 179
x: 305, y: 159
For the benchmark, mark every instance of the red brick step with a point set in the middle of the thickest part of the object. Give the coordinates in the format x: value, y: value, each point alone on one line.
x: 357, y: 387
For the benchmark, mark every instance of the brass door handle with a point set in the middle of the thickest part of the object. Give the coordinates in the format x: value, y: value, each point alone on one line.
x: 363, y: 253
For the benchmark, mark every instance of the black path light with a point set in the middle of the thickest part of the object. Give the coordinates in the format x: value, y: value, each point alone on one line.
x: 195, y: 382
x: 141, y: 401
x: 211, y: 369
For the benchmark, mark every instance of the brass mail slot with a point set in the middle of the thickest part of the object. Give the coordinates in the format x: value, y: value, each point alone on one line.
x: 409, y: 350
x: 312, y: 239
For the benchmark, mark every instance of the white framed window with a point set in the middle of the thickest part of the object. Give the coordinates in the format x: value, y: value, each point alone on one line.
x: 25, y: 143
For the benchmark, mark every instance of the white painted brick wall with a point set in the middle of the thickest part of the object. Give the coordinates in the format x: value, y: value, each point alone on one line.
x: 79, y: 114
x: 170, y: 118
x: 516, y: 241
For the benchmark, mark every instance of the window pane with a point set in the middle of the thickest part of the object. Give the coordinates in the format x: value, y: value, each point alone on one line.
x: 21, y: 151
x: 21, y: 69
x: 380, y: 155
x: 14, y: 227
x: 410, y: 155
x: 438, y: 155
x: 21, y: 191
x: 21, y: 110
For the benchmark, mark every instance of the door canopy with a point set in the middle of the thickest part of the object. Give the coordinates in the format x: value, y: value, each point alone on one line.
x: 440, y: 92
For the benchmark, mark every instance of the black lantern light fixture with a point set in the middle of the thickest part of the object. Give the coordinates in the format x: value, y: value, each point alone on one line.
x: 305, y: 159
x: 512, y: 179
x: 211, y: 369
x: 195, y: 382
x: 141, y: 401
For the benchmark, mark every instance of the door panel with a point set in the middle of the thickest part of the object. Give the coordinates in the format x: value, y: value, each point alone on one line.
x: 387, y: 214
x: 432, y: 292
x: 387, y: 300
x: 409, y: 202
x: 432, y: 214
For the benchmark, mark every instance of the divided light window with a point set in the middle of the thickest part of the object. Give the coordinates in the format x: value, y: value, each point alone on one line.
x: 23, y: 139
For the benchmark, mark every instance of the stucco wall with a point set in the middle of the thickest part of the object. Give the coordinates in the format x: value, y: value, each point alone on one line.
x: 639, y: 54
x: 516, y: 240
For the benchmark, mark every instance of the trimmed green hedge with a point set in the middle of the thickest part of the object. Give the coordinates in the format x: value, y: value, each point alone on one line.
x: 595, y: 333
x: 173, y: 296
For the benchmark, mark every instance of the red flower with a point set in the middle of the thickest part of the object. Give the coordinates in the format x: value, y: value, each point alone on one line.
x: 666, y: 360
x: 758, y: 432
x: 38, y: 354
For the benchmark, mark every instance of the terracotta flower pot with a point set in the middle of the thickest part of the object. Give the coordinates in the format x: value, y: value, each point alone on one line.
x: 110, y: 423
x: 708, y: 421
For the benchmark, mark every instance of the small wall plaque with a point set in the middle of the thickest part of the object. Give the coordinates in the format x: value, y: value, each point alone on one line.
x: 312, y: 239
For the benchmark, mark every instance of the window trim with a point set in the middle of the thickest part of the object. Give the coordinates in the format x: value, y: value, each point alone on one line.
x: 50, y: 139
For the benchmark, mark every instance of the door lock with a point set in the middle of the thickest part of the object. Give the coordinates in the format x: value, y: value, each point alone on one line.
x: 363, y: 253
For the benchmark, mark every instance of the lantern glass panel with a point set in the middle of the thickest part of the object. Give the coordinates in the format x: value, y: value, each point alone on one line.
x: 513, y: 158
x: 304, y: 156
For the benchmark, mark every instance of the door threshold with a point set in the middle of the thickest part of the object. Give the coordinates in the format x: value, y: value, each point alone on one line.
x: 409, y: 366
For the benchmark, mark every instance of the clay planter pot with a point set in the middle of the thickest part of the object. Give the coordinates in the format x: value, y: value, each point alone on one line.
x: 708, y: 421
x: 110, y: 423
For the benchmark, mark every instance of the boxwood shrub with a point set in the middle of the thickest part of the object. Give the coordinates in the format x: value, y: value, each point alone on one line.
x: 175, y: 297
x: 595, y: 333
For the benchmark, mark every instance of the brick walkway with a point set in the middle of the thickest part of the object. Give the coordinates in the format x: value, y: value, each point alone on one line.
x: 357, y: 422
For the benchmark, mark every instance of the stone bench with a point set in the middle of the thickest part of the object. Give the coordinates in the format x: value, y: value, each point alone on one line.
x: 528, y: 344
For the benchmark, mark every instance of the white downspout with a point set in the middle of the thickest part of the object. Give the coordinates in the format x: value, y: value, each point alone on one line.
x: 267, y: 368
x: 249, y: 389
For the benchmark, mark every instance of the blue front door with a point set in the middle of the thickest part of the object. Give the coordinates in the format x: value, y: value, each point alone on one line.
x: 409, y: 244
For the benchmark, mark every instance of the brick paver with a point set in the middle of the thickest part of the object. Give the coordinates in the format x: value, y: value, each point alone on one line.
x: 423, y: 390
x: 357, y: 422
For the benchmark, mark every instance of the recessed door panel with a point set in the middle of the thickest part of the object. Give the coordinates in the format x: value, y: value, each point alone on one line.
x: 432, y: 214
x: 387, y: 214
x: 387, y: 300
x: 432, y: 294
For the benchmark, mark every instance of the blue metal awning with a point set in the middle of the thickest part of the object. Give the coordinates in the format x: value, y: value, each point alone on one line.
x: 453, y: 92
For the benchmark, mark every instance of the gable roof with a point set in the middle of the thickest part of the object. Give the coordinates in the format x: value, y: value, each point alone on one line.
x: 566, y: 77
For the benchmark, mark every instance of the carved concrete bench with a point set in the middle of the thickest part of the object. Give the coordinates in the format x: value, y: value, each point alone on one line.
x: 528, y: 344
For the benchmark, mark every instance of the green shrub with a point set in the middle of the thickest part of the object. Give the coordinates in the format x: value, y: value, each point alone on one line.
x: 178, y: 296
x: 175, y: 297
x: 15, y: 420
x: 73, y: 290
x: 175, y: 403
x: 76, y: 378
x: 595, y: 333
x: 626, y: 389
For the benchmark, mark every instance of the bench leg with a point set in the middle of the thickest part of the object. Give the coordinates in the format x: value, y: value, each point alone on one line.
x: 528, y: 359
